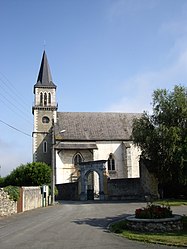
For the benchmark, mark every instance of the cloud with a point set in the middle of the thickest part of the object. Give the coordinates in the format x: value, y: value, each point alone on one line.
x: 139, y: 89
x: 12, y: 156
x: 118, y: 8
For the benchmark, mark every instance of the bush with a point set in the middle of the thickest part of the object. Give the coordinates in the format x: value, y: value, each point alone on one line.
x: 153, y: 212
x: 13, y: 192
x: 30, y: 174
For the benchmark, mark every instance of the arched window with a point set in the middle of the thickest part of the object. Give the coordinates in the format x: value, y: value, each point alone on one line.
x: 77, y: 159
x: 41, y: 98
x: 44, y: 146
x: 49, y: 98
x: 111, y: 162
x: 45, y: 99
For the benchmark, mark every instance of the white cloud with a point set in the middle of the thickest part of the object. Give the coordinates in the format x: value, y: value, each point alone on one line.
x: 12, y: 156
x: 138, y: 90
x: 118, y: 8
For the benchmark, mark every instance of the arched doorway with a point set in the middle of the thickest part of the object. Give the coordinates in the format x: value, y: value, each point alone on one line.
x: 87, y: 170
x: 92, y: 185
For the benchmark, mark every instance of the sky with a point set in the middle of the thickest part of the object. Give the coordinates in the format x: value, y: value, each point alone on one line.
x: 104, y: 56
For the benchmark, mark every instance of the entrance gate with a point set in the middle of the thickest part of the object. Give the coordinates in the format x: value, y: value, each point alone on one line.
x: 85, y: 169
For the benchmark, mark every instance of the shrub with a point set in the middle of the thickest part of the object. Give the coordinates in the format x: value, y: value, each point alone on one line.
x: 30, y: 174
x: 153, y: 212
x: 13, y: 192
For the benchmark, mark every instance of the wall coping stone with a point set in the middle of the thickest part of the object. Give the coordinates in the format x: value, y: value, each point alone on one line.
x: 175, y: 217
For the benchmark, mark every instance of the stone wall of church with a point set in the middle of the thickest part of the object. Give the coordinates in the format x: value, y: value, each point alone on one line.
x: 65, y: 169
x: 135, y: 157
x: 126, y: 157
x: 103, y: 152
x: 41, y: 133
x: 52, y: 91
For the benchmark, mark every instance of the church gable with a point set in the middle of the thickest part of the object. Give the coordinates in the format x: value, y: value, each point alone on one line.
x: 94, y: 126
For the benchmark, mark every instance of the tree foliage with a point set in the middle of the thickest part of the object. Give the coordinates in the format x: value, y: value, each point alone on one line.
x: 31, y: 174
x: 1, y: 182
x: 162, y: 136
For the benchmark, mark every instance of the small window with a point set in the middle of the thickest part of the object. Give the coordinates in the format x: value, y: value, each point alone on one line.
x: 77, y: 159
x: 49, y: 98
x: 45, y: 120
x: 41, y: 98
x: 111, y: 162
x: 44, y: 146
x: 45, y: 99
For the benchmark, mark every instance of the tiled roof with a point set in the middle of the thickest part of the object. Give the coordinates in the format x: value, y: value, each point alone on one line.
x: 94, y: 126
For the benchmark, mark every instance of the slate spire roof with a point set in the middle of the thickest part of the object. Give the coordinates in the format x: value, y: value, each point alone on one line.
x: 44, y: 76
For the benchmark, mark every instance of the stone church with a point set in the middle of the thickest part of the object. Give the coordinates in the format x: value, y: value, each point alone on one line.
x: 67, y: 140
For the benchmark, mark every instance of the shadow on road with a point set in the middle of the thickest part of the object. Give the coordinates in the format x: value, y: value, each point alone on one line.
x: 101, y: 223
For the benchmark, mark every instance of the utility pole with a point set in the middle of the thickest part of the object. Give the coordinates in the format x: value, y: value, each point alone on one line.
x: 53, y: 165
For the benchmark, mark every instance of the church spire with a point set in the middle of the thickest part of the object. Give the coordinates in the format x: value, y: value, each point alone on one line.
x: 44, y: 77
x: 45, y: 113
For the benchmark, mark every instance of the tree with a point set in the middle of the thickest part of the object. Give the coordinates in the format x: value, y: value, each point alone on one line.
x: 1, y: 182
x: 162, y: 136
x: 31, y: 174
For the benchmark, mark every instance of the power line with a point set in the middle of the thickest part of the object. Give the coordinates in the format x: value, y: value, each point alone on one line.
x: 16, y: 108
x: 15, y: 128
x: 12, y: 87
x: 9, y: 91
x: 13, y: 95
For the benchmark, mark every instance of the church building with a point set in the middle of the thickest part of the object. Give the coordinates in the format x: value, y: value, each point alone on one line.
x: 68, y: 139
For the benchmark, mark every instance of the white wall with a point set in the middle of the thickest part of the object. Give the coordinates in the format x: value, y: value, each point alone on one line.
x: 126, y: 160
x: 65, y: 166
x: 104, y: 149
x: 127, y: 166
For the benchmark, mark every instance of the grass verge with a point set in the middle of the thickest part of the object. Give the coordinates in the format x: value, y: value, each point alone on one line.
x: 172, y: 202
x: 178, y: 238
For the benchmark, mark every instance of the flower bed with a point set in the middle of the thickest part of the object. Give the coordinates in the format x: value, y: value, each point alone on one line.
x: 154, y: 218
x: 153, y: 212
x: 155, y: 225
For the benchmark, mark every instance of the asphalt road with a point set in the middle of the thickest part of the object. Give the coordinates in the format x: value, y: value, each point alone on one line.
x: 70, y: 225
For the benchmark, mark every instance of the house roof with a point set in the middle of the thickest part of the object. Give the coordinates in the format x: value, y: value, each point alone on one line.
x: 94, y: 126
x: 44, y: 77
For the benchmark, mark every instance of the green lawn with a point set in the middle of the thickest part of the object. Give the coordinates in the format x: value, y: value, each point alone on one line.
x: 172, y: 202
x: 170, y: 238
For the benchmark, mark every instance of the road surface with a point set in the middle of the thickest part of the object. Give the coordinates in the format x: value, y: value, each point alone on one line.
x: 70, y: 225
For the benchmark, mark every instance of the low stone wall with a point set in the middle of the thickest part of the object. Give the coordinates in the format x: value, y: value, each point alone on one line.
x: 30, y: 198
x: 125, y: 189
x: 133, y: 188
x: 7, y: 206
x: 67, y: 191
x: 155, y: 225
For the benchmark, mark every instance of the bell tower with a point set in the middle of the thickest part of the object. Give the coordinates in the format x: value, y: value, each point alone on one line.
x: 45, y: 113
